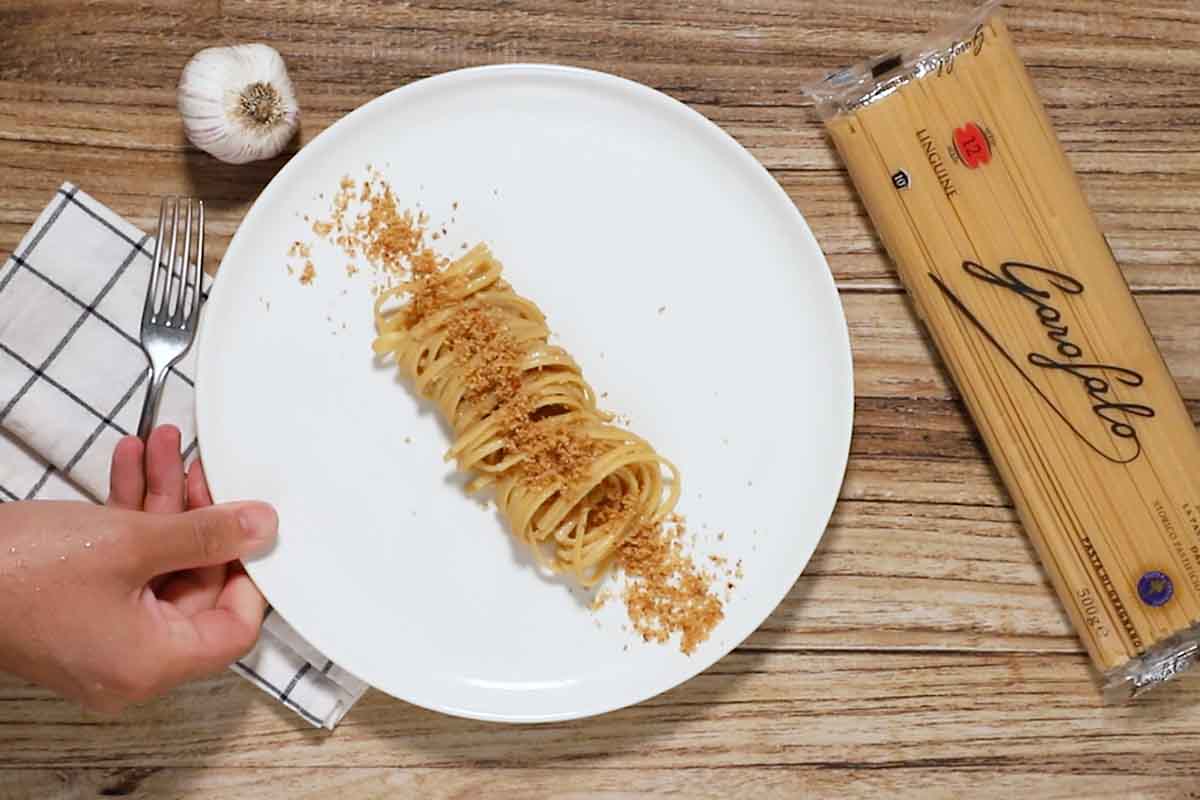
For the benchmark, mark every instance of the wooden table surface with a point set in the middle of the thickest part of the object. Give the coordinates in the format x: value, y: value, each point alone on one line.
x: 921, y: 652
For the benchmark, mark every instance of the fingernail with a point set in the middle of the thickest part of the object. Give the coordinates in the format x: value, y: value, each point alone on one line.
x: 259, y: 523
x: 170, y: 431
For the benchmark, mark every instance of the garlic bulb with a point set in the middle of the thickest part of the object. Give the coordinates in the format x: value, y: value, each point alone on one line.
x: 238, y: 103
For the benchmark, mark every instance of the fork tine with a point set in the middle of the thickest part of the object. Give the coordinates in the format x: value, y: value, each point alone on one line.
x: 152, y: 288
x: 165, y: 309
x: 185, y: 266
x: 198, y: 272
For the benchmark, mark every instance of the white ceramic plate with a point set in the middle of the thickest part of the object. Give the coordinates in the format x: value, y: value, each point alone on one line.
x: 669, y: 263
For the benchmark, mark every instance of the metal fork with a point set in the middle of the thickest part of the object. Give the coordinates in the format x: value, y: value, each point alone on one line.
x: 172, y: 299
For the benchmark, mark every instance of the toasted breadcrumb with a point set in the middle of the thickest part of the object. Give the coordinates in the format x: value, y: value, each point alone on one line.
x: 666, y: 593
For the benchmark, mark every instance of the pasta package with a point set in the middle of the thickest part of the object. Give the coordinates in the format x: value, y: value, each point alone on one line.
x: 960, y: 170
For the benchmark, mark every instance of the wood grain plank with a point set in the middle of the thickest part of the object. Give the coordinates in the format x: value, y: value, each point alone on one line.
x: 593, y: 783
x: 894, y: 358
x: 1126, y: 126
x: 870, y: 710
x: 918, y: 576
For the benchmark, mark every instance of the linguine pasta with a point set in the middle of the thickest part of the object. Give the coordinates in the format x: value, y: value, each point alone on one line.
x: 571, y: 485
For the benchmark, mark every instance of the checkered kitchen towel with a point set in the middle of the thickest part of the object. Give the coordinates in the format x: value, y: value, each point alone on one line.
x: 72, y: 380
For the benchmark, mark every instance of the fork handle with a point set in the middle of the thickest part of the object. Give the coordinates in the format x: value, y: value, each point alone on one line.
x: 154, y: 392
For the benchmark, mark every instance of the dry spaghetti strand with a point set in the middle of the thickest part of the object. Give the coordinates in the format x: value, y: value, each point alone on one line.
x: 983, y: 216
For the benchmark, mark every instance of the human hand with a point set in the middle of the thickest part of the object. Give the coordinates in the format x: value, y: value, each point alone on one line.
x: 111, y: 605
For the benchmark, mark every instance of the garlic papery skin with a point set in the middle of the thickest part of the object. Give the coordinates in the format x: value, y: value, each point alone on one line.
x: 238, y: 103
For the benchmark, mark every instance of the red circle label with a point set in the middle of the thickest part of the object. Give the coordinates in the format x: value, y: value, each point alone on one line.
x: 972, y: 145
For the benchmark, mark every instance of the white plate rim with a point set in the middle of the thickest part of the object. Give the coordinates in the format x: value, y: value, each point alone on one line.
x: 205, y: 368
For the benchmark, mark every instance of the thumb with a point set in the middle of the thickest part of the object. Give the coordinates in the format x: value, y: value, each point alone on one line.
x: 203, y: 537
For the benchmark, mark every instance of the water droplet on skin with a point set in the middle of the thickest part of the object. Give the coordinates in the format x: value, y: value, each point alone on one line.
x: 87, y: 545
x: 12, y: 550
x: 62, y: 558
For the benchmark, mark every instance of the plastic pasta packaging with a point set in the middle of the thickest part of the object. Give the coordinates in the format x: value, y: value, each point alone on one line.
x: 960, y: 169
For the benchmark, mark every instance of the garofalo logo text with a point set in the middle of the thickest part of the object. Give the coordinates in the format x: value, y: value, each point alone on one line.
x: 1109, y: 425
